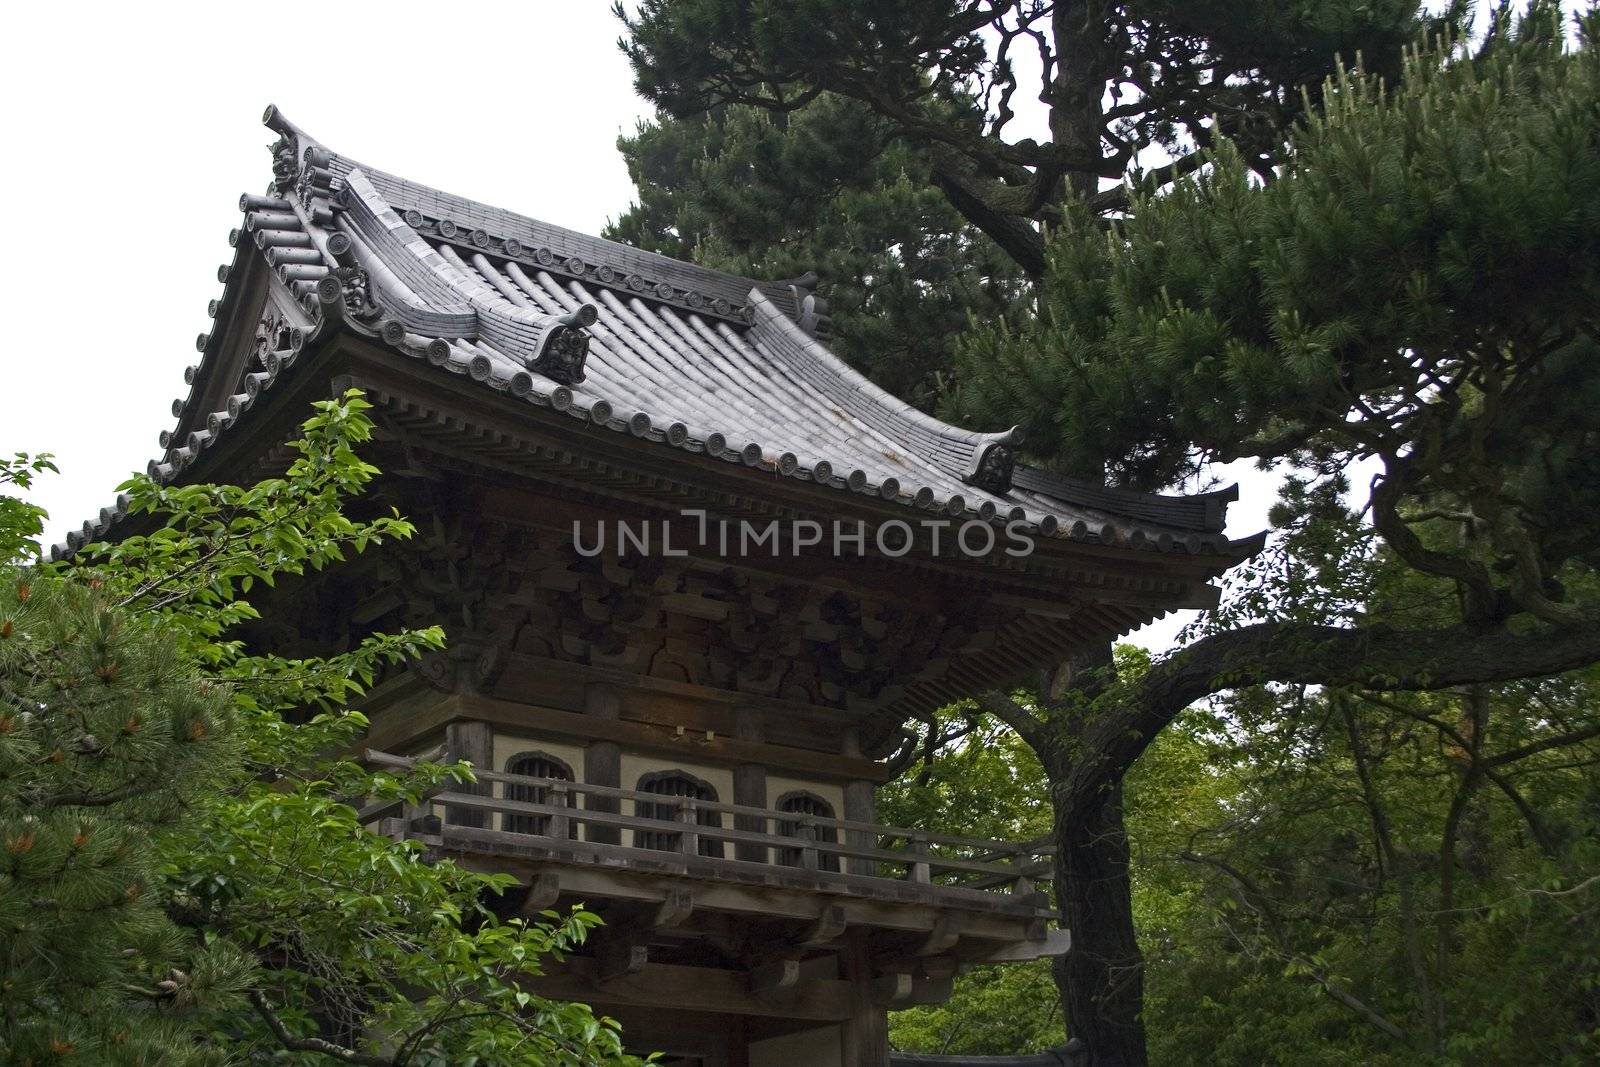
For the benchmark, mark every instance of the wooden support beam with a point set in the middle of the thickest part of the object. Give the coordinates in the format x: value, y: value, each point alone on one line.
x: 829, y: 926
x: 1054, y: 943
x: 699, y: 989
x: 643, y: 737
x: 618, y: 955
x: 942, y: 938
x: 896, y: 991
x: 474, y: 743
x: 892, y: 990
x: 674, y: 911
x: 775, y: 976
x: 926, y: 991
x: 543, y: 890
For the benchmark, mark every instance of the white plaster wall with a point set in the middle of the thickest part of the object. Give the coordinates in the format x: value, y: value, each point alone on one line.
x: 507, y: 745
x: 822, y: 1047
x: 634, y: 766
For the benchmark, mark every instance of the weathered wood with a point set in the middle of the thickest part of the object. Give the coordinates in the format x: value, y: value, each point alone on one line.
x: 602, y: 761
x: 892, y: 990
x: 860, y: 807
x: 921, y: 870
x: 617, y: 956
x: 471, y: 742
x: 828, y: 927
x: 1054, y: 943
x: 807, y: 833
x: 673, y: 911
x: 750, y: 790
x: 942, y: 938
x: 775, y: 976
x: 689, y: 836
x: 704, y: 989
x: 687, y: 826
x: 641, y: 737
x: 865, y: 1034
x: 543, y: 890
x: 999, y: 872
x: 616, y: 872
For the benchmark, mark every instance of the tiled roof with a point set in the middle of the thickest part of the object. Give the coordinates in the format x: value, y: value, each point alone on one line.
x: 721, y: 368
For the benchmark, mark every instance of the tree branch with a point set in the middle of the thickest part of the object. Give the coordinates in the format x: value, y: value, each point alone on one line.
x: 1014, y: 715
x: 258, y: 1000
x: 1378, y: 658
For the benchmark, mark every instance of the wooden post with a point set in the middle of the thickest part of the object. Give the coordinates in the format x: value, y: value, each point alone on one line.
x: 919, y: 870
x: 472, y: 742
x: 750, y: 789
x: 859, y: 807
x: 559, y: 824
x: 808, y: 846
x: 866, y: 1032
x: 689, y: 837
x: 602, y: 762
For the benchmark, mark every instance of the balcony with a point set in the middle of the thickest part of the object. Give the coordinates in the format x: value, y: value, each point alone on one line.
x: 977, y: 898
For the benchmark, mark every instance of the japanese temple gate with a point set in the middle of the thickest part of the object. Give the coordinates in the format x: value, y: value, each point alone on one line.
x: 686, y: 740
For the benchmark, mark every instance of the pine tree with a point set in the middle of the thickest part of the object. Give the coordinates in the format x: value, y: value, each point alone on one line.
x: 107, y: 739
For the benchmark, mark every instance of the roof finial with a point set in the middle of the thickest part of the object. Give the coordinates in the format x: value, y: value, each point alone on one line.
x: 564, y: 348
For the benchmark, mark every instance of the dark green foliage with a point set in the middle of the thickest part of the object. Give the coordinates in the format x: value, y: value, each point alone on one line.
x: 823, y: 189
x: 107, y: 736
x: 985, y: 783
x: 1289, y: 915
x: 183, y: 879
x: 1438, y: 238
x: 1099, y: 83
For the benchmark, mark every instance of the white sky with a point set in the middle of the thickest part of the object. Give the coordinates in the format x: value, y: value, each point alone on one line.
x: 132, y: 130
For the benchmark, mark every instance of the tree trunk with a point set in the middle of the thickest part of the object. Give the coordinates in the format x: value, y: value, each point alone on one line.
x: 1102, y: 978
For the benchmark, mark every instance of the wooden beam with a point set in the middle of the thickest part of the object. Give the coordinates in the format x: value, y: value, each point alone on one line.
x: 674, y: 911
x: 828, y: 927
x: 1054, y: 943
x: 892, y: 990
x: 945, y: 933
x: 637, y: 736
x: 592, y: 872
x: 618, y: 953
x: 775, y: 976
x: 472, y: 742
x: 703, y: 989
x: 543, y: 890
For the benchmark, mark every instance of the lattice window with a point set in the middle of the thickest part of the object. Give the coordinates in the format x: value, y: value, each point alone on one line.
x: 536, y: 765
x: 675, y: 784
x: 801, y: 803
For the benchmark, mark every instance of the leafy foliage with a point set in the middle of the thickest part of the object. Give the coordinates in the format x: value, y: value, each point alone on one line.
x: 983, y: 783
x: 21, y: 523
x: 184, y: 878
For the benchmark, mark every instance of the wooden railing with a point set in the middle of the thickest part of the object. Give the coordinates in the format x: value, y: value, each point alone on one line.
x: 783, y: 838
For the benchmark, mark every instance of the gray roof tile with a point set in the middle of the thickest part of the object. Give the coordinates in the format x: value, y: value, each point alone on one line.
x: 678, y: 356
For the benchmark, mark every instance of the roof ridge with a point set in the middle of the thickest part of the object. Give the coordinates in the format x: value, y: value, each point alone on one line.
x: 605, y: 261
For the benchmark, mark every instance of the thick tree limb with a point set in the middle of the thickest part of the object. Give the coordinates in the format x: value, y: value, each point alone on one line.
x: 1377, y: 658
x: 1014, y: 715
x: 1544, y: 745
x: 1018, y: 237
